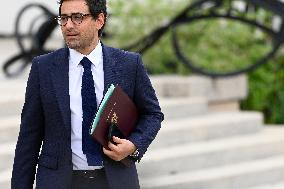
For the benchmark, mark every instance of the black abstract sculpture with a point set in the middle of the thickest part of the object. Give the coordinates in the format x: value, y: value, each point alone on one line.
x: 196, y: 11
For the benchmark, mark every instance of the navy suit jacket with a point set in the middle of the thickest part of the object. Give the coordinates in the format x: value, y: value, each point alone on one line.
x: 44, y: 143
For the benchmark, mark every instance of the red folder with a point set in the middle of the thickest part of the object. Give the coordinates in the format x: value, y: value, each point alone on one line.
x: 119, y: 109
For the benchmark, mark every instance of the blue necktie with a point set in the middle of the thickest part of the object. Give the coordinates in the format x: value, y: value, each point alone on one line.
x: 91, y: 148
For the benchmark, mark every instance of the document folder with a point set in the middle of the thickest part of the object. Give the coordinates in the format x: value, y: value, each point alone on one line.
x: 116, y: 109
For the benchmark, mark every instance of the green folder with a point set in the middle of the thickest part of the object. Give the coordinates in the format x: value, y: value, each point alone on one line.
x: 101, y: 107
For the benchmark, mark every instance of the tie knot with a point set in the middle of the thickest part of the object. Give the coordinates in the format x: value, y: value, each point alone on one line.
x: 86, y: 63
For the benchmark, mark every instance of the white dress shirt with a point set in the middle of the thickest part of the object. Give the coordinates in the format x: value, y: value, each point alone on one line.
x: 75, y: 82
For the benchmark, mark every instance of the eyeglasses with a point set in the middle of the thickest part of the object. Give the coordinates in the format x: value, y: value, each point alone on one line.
x: 76, y: 18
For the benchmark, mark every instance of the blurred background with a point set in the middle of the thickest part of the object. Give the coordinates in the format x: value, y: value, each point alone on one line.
x: 216, y: 66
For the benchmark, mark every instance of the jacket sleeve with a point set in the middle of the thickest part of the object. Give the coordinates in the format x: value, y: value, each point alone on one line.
x: 151, y: 116
x: 30, y: 135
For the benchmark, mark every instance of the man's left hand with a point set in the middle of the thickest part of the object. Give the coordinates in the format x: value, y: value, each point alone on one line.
x: 120, y: 150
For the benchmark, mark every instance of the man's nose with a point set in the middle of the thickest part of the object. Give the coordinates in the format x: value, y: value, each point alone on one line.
x: 69, y: 23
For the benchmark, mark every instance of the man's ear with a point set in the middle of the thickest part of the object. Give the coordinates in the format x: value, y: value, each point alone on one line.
x: 100, y: 21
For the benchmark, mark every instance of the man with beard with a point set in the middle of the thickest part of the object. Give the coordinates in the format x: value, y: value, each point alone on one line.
x: 63, y: 92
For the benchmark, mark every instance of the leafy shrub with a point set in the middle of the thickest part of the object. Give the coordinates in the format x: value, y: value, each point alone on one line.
x: 218, y: 44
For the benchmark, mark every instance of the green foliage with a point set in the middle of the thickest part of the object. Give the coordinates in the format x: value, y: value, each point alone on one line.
x: 131, y: 20
x: 266, y: 90
x: 219, y: 45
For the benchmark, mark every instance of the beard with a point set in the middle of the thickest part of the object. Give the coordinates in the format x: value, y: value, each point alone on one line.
x: 73, y: 44
x: 79, y: 43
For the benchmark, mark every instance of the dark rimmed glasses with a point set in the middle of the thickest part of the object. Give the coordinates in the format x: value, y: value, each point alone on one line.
x: 76, y: 18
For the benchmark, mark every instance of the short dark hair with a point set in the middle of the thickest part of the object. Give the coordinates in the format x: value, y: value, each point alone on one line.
x: 96, y: 7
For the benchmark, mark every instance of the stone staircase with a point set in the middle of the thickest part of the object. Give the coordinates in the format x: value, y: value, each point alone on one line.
x: 205, y: 142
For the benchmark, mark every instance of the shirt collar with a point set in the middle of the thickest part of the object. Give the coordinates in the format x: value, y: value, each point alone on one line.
x: 95, y: 56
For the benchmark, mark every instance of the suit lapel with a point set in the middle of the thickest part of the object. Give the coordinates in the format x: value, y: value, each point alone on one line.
x: 60, y: 79
x: 110, y: 73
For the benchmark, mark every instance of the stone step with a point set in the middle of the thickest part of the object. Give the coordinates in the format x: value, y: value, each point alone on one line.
x: 207, y: 127
x: 11, y: 105
x: 7, y: 148
x: 270, y: 186
x: 172, y: 86
x: 194, y: 156
x: 6, y: 184
x: 215, y: 90
x: 12, y: 84
x: 236, y: 176
x: 12, y: 93
x: 183, y: 107
x: 9, y: 128
x: 7, y: 151
x: 5, y: 178
x: 9, y: 134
